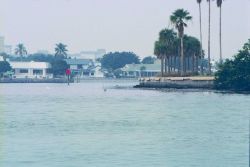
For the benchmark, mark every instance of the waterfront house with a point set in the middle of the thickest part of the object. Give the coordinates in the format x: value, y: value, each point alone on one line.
x: 33, y: 70
x: 141, y: 70
x: 85, y: 68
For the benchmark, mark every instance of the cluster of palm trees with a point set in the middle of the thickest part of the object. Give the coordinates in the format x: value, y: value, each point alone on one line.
x: 170, y: 47
x: 168, y: 50
x: 60, y: 51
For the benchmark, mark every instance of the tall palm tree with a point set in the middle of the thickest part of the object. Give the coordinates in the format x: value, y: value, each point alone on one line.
x: 219, y: 4
x: 199, y: 2
x: 178, y: 18
x: 21, y: 50
x: 61, y: 51
x: 209, y: 28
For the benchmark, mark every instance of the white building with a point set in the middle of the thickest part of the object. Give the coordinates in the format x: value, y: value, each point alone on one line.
x: 1, y: 44
x: 141, y: 70
x: 39, y: 70
x: 85, y: 68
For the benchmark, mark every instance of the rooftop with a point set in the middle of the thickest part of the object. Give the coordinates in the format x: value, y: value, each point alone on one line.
x: 31, y: 64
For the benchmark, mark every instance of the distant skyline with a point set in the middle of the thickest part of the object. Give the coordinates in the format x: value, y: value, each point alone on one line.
x: 117, y: 25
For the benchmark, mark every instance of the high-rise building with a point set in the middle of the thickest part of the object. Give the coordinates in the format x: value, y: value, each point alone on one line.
x: 1, y: 44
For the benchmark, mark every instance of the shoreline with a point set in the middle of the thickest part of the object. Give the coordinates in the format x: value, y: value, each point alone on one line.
x: 187, y: 84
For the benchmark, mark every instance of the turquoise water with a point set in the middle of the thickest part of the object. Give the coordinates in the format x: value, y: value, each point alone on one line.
x: 82, y: 126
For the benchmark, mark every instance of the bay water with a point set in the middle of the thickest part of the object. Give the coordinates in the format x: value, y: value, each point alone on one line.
x: 107, y: 123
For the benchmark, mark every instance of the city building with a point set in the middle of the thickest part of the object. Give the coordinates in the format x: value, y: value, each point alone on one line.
x: 1, y: 44
x: 39, y: 70
x: 85, y: 68
x: 141, y: 70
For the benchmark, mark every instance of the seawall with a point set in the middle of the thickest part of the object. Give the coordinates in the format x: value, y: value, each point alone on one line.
x: 177, y: 82
x: 29, y: 80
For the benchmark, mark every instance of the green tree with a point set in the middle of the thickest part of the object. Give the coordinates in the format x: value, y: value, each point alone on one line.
x: 117, y: 60
x: 192, y: 52
x: 40, y: 57
x: 235, y: 74
x: 219, y: 4
x: 168, y: 38
x: 159, y: 51
x: 21, y: 50
x: 61, y: 51
x: 4, y: 67
x: 148, y: 60
x: 179, y: 19
x: 59, y: 67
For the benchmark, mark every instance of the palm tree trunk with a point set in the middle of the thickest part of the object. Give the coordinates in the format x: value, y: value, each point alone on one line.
x: 162, y: 66
x: 166, y: 64
x: 201, y: 40
x: 220, y: 39
x: 175, y: 65
x: 170, y: 64
x: 197, y: 64
x: 182, y: 58
x: 193, y: 56
x: 209, y: 27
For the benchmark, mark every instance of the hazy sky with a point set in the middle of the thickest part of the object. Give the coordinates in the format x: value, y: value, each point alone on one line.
x: 116, y: 25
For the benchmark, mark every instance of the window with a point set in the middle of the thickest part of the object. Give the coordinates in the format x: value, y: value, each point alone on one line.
x: 37, y: 72
x: 24, y: 71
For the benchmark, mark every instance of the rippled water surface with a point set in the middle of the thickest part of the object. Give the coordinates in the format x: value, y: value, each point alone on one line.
x: 81, y: 125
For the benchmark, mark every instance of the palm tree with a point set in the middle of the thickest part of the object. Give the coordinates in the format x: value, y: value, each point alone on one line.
x: 209, y: 27
x: 61, y: 51
x: 192, y: 53
x: 21, y: 50
x: 168, y: 37
x: 159, y: 51
x: 178, y: 18
x: 219, y: 4
x: 199, y: 2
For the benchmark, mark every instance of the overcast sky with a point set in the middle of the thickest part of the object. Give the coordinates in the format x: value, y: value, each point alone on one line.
x: 116, y: 25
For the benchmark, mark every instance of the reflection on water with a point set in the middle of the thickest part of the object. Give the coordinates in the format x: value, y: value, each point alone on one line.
x: 83, y: 125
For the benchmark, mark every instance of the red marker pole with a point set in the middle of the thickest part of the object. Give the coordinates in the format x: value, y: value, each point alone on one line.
x: 68, y: 72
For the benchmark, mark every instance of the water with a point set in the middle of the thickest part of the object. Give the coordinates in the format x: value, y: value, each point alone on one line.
x: 82, y: 126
